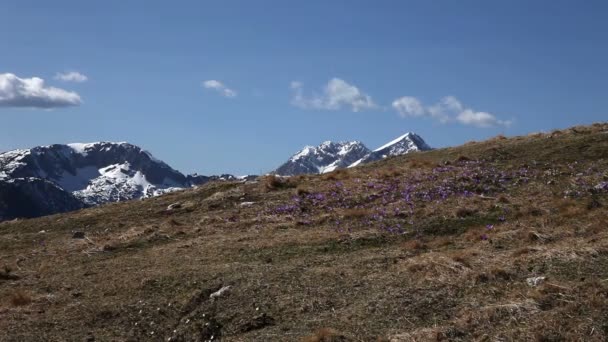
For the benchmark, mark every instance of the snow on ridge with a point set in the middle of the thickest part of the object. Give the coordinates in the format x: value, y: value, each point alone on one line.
x: 345, y: 147
x: 303, y: 153
x: 15, y: 157
x: 16, y: 152
x: 119, y: 182
x: 408, y: 134
x: 82, y: 147
x: 329, y: 168
x: 406, y: 143
x: 79, y: 147
x: 355, y: 163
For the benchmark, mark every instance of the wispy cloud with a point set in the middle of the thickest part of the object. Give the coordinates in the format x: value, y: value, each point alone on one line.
x: 409, y: 106
x: 71, y: 76
x: 448, y: 109
x: 33, y: 93
x: 337, y: 94
x: 219, y: 87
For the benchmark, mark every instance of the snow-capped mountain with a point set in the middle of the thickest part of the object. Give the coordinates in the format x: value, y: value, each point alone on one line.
x: 326, y: 157
x: 330, y: 156
x: 407, y: 143
x: 79, y: 175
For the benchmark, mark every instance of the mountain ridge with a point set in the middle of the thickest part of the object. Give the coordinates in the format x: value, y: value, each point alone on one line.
x: 92, y: 173
x: 326, y: 158
x: 323, y: 158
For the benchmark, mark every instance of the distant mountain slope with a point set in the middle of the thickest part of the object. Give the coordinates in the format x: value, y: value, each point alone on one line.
x: 326, y: 157
x: 79, y: 175
x: 330, y: 156
x: 407, y: 143
x: 33, y: 197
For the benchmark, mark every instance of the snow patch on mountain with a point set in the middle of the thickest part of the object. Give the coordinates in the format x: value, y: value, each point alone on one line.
x: 392, y: 142
x: 89, y: 174
x: 330, y: 156
x: 119, y: 182
x: 407, y: 143
x: 79, y: 147
x: 326, y: 157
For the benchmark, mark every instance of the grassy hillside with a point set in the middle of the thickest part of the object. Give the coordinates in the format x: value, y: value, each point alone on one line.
x: 499, y: 240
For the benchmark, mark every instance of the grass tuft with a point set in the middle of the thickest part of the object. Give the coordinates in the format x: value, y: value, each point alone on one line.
x: 20, y: 298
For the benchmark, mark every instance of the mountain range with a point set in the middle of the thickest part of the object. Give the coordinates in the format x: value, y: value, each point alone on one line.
x: 45, y: 180
x: 330, y: 156
x: 58, y: 178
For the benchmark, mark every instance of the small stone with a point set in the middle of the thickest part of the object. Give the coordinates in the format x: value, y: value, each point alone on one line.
x: 219, y: 292
x: 535, y: 281
x: 175, y: 205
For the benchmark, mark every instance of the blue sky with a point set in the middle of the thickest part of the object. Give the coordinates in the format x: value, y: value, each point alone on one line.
x: 239, y: 86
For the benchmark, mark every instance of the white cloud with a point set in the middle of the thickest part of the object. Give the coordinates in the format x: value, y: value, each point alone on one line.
x: 445, y: 109
x: 33, y: 93
x: 219, y: 87
x: 408, y: 106
x: 448, y: 109
x: 72, y: 76
x: 480, y: 119
x: 336, y: 95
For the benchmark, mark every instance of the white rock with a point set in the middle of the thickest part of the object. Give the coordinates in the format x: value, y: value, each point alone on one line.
x: 247, y: 204
x: 535, y: 281
x: 174, y: 206
x: 220, y: 292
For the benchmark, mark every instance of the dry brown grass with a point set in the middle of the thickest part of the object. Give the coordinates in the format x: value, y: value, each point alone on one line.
x: 414, y: 245
x: 390, y: 172
x: 274, y: 182
x: 421, y: 164
x: 523, y: 251
x: 503, y: 199
x: 340, y: 174
x: 464, y: 258
x: 326, y: 335
x: 302, y: 190
x: 20, y: 298
x: 291, y: 273
x: 465, y: 212
x: 355, y: 213
x: 536, y: 134
x: 568, y: 208
x: 462, y: 158
x: 499, y: 137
